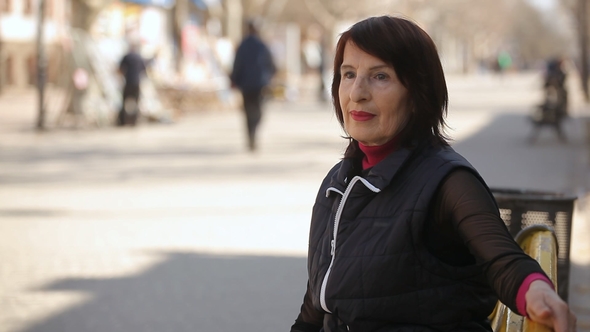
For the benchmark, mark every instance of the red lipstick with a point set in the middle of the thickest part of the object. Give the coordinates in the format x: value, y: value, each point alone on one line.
x: 361, y: 116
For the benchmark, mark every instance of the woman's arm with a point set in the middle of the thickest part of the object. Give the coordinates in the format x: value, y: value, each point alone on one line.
x: 474, y: 215
x: 465, y: 205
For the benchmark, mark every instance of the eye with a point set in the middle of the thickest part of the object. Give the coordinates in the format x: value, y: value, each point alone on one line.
x: 348, y: 75
x: 381, y: 76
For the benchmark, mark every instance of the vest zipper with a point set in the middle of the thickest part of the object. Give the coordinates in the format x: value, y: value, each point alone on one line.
x: 336, y: 224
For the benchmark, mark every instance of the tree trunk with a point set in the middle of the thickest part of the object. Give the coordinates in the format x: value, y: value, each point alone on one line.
x: 179, y: 18
x: 41, y: 65
x: 583, y: 40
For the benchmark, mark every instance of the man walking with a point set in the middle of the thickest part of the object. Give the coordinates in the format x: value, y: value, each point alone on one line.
x: 132, y: 67
x: 252, y: 71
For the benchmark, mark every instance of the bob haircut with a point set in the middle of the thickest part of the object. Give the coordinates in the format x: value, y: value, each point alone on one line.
x: 414, y: 56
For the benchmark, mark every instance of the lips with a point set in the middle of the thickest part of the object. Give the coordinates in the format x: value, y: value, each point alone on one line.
x: 361, y: 116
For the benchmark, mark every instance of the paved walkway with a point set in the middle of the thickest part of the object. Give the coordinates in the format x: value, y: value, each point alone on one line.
x: 177, y: 228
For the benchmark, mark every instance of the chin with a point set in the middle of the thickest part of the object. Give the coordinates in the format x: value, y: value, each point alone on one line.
x: 364, y: 141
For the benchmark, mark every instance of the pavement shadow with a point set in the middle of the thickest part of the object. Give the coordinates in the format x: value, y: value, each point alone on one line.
x: 188, y: 292
x: 202, y: 292
x: 505, y: 157
x: 109, y: 165
x: 109, y: 162
x: 27, y: 213
x: 114, y: 153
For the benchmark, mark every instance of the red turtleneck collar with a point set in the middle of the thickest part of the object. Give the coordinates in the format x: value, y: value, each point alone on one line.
x: 374, y: 154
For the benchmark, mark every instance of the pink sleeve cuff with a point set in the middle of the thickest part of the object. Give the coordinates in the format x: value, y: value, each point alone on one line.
x: 523, y: 289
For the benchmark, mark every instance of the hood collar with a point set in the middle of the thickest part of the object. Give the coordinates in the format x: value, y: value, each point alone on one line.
x: 379, y: 175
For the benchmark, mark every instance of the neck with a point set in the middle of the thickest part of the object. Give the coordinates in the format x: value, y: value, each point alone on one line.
x: 374, y: 154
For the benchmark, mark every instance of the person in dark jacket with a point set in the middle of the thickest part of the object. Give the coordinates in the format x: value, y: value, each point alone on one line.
x: 252, y: 71
x: 555, y: 88
x: 132, y: 67
x: 405, y: 234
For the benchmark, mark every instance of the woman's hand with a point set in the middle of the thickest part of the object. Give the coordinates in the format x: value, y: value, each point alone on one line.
x: 546, y: 307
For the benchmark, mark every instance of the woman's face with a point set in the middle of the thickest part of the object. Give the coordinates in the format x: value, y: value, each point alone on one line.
x: 374, y: 102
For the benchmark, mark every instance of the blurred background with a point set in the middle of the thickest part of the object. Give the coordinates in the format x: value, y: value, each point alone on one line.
x: 189, y: 44
x: 172, y: 224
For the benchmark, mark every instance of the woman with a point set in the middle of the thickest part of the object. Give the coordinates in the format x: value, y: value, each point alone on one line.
x: 405, y: 235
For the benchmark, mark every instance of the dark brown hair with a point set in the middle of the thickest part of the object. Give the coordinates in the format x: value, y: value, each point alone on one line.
x: 413, y: 55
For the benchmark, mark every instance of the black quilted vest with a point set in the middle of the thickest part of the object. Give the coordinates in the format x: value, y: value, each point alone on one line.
x: 381, y: 277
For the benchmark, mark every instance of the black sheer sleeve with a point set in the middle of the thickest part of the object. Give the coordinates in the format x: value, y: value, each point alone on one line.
x: 467, y: 229
x: 309, y: 319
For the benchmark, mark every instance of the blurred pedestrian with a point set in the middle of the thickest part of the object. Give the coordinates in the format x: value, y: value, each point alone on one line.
x: 554, y: 74
x: 132, y: 66
x: 252, y: 72
x: 405, y: 234
x: 554, y: 108
x: 555, y: 89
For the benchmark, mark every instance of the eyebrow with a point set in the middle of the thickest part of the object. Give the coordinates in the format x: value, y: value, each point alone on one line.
x: 371, y: 68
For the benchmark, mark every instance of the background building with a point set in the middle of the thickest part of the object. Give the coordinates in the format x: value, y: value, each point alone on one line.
x: 18, y: 33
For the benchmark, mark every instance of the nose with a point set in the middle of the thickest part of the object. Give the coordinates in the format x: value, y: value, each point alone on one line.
x: 359, y: 91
